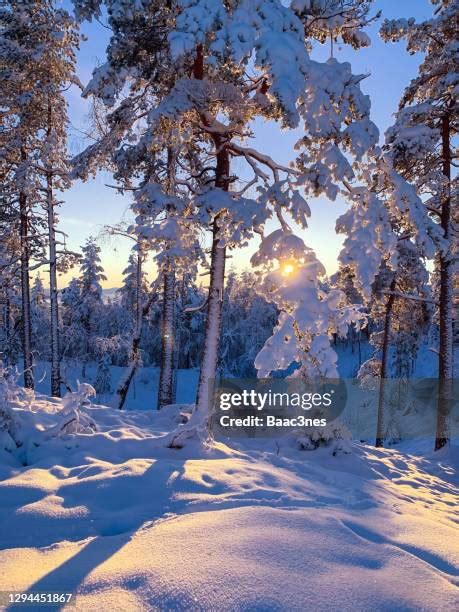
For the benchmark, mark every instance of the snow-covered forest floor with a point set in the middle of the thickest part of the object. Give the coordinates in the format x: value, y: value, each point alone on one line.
x: 126, y: 523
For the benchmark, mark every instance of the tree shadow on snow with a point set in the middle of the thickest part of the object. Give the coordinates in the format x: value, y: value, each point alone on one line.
x: 67, y: 577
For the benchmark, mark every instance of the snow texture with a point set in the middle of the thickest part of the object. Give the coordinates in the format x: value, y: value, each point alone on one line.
x: 124, y: 522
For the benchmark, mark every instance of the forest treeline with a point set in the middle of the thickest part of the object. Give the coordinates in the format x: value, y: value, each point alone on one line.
x: 174, y: 109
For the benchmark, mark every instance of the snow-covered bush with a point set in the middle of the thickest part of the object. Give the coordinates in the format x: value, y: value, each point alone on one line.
x: 72, y: 420
x: 11, y: 396
x: 334, y: 435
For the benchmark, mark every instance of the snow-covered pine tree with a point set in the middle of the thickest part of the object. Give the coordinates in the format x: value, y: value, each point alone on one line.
x: 38, y: 62
x: 10, y: 289
x: 40, y: 319
x: 103, y: 379
x: 138, y: 297
x: 413, y: 309
x: 72, y: 331
x: 237, y: 74
x: 385, y: 211
x: 337, y: 132
x: 344, y: 279
x: 165, y: 223
x: 60, y: 43
x: 419, y: 145
x: 21, y: 125
x: 162, y: 225
x: 134, y: 289
x: 137, y: 161
x: 90, y: 302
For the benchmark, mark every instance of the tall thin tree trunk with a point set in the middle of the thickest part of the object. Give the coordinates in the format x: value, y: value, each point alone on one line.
x: 445, y: 354
x: 384, y: 366
x: 54, y: 306
x: 217, y: 270
x: 215, y: 298
x: 25, y: 291
x: 178, y: 327
x: 134, y: 359
x: 166, y: 388
x: 166, y: 374
x: 7, y: 325
x: 213, y: 323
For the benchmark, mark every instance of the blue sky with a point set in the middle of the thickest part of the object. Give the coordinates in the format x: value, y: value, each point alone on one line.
x: 89, y: 206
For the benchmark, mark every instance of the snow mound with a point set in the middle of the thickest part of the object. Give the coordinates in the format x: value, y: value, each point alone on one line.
x: 121, y: 520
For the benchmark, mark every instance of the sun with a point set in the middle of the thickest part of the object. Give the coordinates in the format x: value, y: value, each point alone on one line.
x: 287, y: 268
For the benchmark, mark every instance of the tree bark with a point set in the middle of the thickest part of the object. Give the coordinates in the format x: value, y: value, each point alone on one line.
x: 215, y: 299
x: 445, y: 354
x: 7, y: 327
x: 217, y: 270
x: 54, y: 306
x: 213, y: 323
x: 166, y: 373
x: 25, y: 292
x: 384, y: 366
x: 165, y: 391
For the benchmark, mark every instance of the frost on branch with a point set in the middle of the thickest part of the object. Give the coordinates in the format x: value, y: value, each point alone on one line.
x: 264, y: 28
x: 395, y: 29
x: 335, y: 19
x: 337, y: 125
x: 369, y: 238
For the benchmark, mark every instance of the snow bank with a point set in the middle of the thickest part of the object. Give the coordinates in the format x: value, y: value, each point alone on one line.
x: 127, y: 523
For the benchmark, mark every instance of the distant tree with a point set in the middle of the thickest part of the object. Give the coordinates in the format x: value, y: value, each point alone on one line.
x: 134, y: 290
x: 103, y: 380
x: 90, y: 304
x: 40, y: 319
x: 248, y: 321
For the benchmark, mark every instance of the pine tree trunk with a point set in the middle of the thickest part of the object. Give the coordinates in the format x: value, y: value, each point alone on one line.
x: 384, y: 367
x: 25, y: 294
x: 215, y: 299
x: 54, y: 306
x: 124, y: 384
x: 445, y: 359
x: 217, y: 270
x: 7, y: 315
x: 213, y: 324
x: 166, y: 388
x: 134, y: 360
